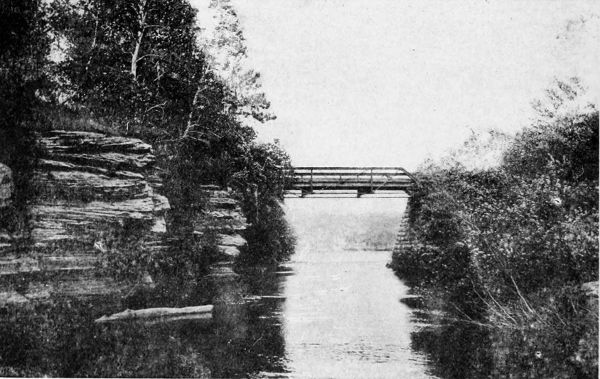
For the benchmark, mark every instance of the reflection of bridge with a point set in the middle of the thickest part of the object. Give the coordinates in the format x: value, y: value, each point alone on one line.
x: 348, y: 180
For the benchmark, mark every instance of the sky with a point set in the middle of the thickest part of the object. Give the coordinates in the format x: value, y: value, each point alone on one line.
x: 391, y: 82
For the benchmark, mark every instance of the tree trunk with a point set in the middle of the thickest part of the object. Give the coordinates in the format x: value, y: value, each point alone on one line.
x: 142, y: 26
x: 188, y: 128
x: 199, y: 90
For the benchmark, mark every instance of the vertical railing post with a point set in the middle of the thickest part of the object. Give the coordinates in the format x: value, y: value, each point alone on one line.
x: 371, y: 180
x: 311, y: 179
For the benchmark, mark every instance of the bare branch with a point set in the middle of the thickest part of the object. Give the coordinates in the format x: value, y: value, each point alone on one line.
x: 161, y: 105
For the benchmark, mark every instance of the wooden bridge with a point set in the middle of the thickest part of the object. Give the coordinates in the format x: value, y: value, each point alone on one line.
x: 358, y: 181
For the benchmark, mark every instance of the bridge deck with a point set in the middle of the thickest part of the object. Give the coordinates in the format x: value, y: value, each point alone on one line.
x: 363, y: 180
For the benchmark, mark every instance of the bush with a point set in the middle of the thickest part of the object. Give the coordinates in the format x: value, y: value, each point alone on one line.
x: 261, y: 184
x: 518, y: 240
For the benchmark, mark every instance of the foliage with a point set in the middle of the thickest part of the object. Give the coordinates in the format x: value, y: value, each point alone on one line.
x: 226, y: 49
x: 129, y: 237
x: 132, y: 68
x: 140, y: 68
x: 132, y: 64
x: 261, y: 184
x: 60, y: 338
x: 560, y: 143
x: 532, y: 222
x: 514, y: 240
x: 557, y: 335
x: 126, y: 256
x: 24, y: 81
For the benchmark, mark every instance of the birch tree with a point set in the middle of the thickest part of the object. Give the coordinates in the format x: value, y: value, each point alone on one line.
x: 225, y: 47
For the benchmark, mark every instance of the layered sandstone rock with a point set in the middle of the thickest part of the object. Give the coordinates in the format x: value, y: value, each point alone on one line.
x: 222, y: 216
x: 88, y: 185
x: 6, y: 186
x: 6, y: 192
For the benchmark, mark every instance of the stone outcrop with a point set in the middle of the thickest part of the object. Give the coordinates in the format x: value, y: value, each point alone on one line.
x: 89, y: 188
x: 6, y: 192
x: 6, y: 186
x: 222, y: 217
x: 88, y: 185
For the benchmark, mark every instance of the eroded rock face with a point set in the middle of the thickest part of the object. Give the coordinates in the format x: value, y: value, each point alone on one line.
x: 6, y: 193
x: 222, y: 216
x: 88, y: 185
x: 6, y: 186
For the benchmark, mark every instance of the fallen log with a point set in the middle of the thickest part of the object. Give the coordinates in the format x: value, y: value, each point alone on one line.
x: 197, y: 312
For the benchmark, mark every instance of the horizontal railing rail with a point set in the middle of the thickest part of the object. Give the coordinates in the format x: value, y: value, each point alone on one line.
x: 364, y: 180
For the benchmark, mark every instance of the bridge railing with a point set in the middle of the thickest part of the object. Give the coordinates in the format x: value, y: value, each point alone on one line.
x: 361, y: 179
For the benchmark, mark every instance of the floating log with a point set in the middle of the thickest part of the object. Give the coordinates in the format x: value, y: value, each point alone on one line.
x: 202, y: 311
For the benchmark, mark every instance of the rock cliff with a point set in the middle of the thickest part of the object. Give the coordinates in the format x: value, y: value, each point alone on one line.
x: 87, y: 185
x: 89, y: 188
x: 221, y: 216
x: 6, y: 186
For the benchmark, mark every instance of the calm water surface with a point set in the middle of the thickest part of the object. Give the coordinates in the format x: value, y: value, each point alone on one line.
x: 328, y: 313
x: 340, y: 316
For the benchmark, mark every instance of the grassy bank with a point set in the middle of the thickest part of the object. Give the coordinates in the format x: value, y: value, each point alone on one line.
x: 510, y: 246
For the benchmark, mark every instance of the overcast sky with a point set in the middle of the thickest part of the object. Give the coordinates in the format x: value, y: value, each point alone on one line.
x: 389, y: 82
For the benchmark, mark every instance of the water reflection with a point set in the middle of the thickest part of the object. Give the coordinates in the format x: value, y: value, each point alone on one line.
x: 329, y: 312
x: 245, y: 338
x: 342, y: 318
x: 455, y: 349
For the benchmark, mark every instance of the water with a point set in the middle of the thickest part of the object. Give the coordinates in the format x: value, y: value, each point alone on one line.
x: 336, y: 313
x: 328, y: 313
x: 342, y: 318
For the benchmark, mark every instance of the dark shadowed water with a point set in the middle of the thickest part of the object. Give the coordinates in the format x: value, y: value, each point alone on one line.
x: 331, y: 312
x: 338, y: 315
x: 328, y: 313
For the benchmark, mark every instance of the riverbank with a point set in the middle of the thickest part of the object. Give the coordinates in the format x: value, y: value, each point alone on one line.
x: 514, y: 248
x: 129, y: 179
x: 116, y: 235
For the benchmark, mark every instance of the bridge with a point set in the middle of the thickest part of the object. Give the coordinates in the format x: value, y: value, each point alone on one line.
x: 339, y: 181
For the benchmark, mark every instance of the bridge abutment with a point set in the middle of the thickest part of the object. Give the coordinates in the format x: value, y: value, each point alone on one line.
x: 404, y: 237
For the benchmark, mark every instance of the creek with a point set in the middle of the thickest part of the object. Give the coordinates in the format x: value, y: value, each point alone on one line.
x: 329, y: 311
x: 333, y: 311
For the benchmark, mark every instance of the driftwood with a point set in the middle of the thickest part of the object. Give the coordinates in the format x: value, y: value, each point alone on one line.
x: 197, y: 312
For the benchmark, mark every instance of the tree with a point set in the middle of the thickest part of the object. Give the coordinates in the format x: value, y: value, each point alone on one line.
x: 135, y: 64
x: 24, y: 48
x: 227, y: 51
x: 261, y: 184
x: 563, y: 141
